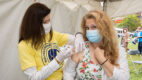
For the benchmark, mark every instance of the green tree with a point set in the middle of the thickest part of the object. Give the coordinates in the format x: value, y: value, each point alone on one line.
x: 131, y: 22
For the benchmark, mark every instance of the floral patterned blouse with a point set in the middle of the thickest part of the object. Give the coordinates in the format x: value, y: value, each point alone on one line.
x: 86, y: 69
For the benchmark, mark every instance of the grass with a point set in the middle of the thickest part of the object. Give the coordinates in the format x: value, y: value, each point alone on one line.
x: 133, y: 75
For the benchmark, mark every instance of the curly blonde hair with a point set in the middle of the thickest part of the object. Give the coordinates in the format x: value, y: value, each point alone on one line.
x: 105, y: 27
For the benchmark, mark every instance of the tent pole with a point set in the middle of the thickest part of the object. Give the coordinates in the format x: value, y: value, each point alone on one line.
x: 35, y: 0
x: 105, y: 6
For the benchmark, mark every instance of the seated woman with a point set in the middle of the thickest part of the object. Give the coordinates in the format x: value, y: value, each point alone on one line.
x: 102, y: 58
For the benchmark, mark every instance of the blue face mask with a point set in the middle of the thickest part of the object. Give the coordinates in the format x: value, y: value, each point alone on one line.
x: 93, y: 36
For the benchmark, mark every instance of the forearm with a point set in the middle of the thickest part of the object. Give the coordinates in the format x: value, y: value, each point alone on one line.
x: 45, y: 72
x: 106, y: 65
x: 108, y: 68
x: 121, y: 72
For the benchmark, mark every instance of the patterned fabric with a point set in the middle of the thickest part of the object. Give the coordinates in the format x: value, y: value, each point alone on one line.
x: 86, y: 69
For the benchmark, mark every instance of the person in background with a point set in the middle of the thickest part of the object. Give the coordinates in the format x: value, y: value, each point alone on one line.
x: 103, y: 58
x: 125, y: 38
x: 135, y: 40
x: 139, y: 37
x: 39, y: 54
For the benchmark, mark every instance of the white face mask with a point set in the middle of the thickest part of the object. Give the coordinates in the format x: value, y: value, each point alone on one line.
x: 47, y: 27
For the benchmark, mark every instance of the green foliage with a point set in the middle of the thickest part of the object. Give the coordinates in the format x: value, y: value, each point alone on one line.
x: 131, y: 22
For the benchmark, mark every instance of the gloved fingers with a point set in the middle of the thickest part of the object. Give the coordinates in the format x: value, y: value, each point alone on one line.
x: 69, y: 49
x: 80, y: 47
x: 66, y: 49
x: 77, y: 45
x: 83, y: 46
x: 76, y: 49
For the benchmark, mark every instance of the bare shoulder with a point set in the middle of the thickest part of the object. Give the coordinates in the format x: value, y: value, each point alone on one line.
x: 77, y: 57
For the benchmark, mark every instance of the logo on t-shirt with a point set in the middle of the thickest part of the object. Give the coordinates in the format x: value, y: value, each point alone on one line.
x: 49, y: 52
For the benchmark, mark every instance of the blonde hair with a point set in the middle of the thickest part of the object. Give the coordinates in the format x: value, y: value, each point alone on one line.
x: 105, y: 27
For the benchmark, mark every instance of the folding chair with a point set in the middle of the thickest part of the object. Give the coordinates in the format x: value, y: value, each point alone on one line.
x: 138, y: 62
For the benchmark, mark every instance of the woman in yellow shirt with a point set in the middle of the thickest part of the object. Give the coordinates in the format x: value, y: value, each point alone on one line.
x: 39, y: 53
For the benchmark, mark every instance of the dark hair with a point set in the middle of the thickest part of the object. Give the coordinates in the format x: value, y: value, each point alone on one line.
x: 32, y: 28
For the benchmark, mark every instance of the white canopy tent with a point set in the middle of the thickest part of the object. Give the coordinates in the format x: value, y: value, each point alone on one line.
x: 115, y: 8
x: 66, y: 16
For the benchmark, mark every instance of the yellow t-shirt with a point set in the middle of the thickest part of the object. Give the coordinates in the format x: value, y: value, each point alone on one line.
x: 30, y: 57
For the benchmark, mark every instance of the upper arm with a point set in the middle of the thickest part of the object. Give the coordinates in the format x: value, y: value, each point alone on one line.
x: 61, y: 38
x: 122, y: 72
x: 76, y: 57
x: 122, y: 57
x: 26, y: 56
